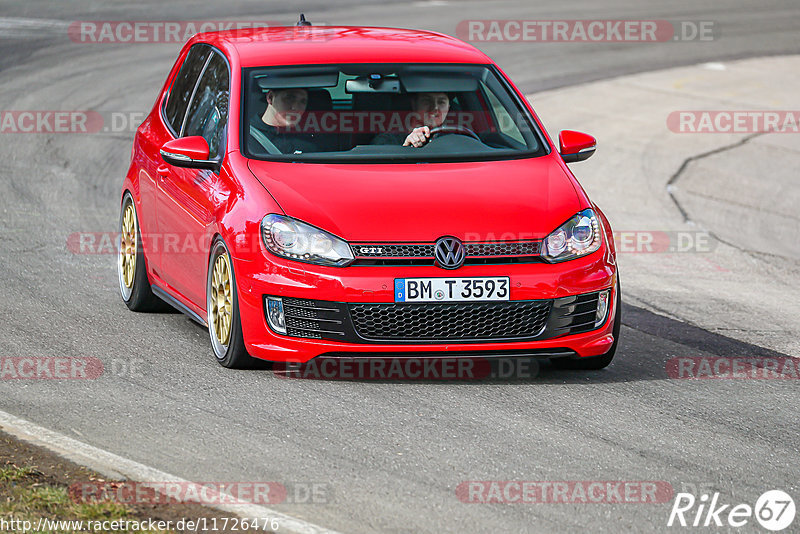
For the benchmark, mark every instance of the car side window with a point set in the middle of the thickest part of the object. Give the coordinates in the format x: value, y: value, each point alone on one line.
x: 208, y: 110
x: 182, y: 87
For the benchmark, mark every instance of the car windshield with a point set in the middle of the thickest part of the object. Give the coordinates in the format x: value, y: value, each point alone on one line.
x: 384, y: 112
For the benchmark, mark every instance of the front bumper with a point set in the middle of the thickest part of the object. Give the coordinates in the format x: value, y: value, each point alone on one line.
x: 359, y: 287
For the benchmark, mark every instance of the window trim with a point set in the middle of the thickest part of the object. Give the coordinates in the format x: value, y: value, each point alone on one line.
x: 194, y: 92
x: 223, y: 148
x: 163, y: 106
x: 163, y: 110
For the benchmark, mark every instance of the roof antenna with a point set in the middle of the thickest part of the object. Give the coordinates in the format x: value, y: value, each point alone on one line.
x: 303, y: 21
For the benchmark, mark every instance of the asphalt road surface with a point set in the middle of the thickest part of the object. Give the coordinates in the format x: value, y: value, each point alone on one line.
x: 387, y: 455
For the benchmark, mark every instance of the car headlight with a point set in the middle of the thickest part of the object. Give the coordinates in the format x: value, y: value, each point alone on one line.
x: 296, y: 240
x: 575, y: 238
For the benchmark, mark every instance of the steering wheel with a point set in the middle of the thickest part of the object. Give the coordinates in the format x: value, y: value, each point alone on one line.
x: 454, y: 129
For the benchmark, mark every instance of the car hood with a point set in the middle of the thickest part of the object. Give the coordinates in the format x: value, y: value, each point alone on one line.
x: 475, y: 201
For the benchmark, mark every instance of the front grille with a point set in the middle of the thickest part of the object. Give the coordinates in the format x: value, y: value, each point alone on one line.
x: 394, y: 251
x: 522, y: 248
x: 499, y: 252
x: 450, y: 321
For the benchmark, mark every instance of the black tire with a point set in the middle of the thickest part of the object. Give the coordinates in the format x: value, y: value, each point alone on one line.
x: 138, y: 296
x: 232, y: 354
x: 595, y: 363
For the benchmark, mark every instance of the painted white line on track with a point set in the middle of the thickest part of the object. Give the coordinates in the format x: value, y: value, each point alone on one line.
x: 117, y: 467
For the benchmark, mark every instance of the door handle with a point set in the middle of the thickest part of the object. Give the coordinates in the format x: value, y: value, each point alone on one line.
x: 163, y: 170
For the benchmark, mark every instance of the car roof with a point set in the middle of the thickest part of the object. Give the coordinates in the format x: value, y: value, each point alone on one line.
x: 304, y: 45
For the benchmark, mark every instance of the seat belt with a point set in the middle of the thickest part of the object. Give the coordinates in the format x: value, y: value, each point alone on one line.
x: 263, y: 140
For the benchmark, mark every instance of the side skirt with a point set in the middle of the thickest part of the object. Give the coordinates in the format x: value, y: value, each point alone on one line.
x: 172, y: 301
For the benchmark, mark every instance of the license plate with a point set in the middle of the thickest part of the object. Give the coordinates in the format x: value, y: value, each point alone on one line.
x: 451, y: 289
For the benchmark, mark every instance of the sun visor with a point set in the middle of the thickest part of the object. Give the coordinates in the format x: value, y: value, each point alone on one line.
x: 437, y: 81
x: 297, y: 79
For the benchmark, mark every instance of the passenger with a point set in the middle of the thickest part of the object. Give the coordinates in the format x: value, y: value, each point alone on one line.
x: 430, y: 110
x: 281, y: 124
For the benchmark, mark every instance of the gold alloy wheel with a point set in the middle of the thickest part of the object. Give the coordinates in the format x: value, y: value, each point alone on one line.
x: 221, y: 299
x: 127, y: 249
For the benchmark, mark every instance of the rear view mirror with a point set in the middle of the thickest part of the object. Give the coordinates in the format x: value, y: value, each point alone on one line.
x: 189, y: 152
x: 372, y: 84
x: 576, y: 146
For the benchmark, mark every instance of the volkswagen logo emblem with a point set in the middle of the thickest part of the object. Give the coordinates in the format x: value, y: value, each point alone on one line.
x: 449, y: 253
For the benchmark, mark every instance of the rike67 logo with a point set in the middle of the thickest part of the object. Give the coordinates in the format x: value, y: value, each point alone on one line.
x: 774, y: 510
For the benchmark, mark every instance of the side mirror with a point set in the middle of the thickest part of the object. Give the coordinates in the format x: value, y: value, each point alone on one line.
x: 576, y: 146
x: 189, y: 152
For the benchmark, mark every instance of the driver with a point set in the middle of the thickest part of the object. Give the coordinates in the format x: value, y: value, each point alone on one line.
x: 431, y: 111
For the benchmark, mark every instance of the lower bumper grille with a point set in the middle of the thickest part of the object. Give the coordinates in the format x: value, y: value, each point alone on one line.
x: 572, y: 315
x: 450, y: 322
x: 436, y: 322
x: 313, y: 319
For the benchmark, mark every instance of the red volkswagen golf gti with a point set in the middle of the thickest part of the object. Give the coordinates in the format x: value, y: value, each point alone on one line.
x: 350, y: 191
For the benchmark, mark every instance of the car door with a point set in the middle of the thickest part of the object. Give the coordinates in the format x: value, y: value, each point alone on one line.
x: 187, y: 199
x: 157, y: 129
